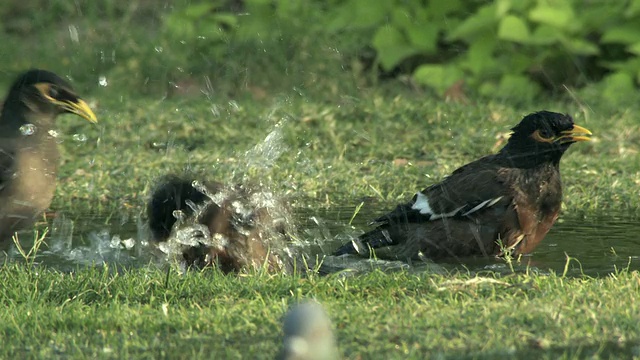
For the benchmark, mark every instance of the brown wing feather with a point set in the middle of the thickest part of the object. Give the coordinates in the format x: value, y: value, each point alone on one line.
x: 455, y: 235
x: 465, y: 188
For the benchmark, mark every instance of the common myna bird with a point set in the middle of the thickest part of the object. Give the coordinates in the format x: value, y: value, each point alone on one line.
x: 208, y: 224
x: 28, y: 151
x: 500, y: 203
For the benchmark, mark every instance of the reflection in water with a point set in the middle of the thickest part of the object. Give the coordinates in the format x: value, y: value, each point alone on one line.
x: 597, y: 245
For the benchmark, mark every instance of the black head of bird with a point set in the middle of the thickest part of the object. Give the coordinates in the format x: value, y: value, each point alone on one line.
x: 28, y: 148
x: 38, y: 96
x: 542, y: 137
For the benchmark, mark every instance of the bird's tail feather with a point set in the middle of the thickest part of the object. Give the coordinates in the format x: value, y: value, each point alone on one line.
x: 364, y: 243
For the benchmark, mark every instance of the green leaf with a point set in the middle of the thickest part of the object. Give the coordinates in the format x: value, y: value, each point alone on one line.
x: 560, y: 16
x: 479, y: 57
x: 513, y: 6
x: 580, y: 47
x: 391, y: 46
x: 484, y: 19
x: 228, y: 19
x: 360, y: 14
x: 634, y: 48
x: 439, y: 8
x: 544, y: 35
x: 421, y: 33
x: 488, y: 89
x: 601, y: 15
x: 512, y: 28
x: 196, y: 11
x: 517, y: 87
x: 628, y: 33
x: 503, y: 7
x: 438, y: 77
x: 631, y: 65
x: 633, y: 9
x: 517, y: 62
x: 423, y: 37
x: 617, y: 86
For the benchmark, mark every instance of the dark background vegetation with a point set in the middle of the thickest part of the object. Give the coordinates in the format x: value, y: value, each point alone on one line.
x: 507, y: 49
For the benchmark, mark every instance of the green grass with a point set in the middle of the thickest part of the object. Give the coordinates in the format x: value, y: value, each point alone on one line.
x: 96, y: 312
x: 342, y: 141
x: 374, y: 145
x: 337, y: 154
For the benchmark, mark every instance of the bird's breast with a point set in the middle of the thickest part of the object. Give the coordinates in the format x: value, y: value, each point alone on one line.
x: 34, y: 179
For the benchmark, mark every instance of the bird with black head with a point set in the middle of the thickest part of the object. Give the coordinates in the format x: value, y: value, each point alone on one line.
x: 505, y: 202
x: 28, y: 148
x: 231, y: 227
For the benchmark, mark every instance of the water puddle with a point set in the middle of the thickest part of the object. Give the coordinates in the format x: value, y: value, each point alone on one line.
x: 593, y: 245
x: 596, y: 245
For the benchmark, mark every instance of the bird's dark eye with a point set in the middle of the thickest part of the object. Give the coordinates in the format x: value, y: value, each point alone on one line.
x: 53, y: 91
x: 545, y: 133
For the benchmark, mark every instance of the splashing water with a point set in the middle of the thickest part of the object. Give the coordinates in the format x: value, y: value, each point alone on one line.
x: 80, y: 137
x: 258, y: 217
x: 265, y: 154
x: 28, y: 129
x: 101, y: 247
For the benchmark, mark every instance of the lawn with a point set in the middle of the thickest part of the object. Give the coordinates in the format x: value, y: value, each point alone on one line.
x: 330, y: 143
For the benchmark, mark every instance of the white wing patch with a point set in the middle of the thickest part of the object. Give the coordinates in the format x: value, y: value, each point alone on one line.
x: 422, y: 205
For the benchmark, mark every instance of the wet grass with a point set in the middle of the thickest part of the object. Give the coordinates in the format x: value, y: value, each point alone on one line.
x: 99, y: 313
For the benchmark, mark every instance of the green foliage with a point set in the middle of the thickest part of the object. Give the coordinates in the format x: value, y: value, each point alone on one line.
x: 504, y: 48
x: 200, y: 26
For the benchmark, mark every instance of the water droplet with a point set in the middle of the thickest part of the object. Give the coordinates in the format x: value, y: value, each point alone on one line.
x: 159, y: 49
x: 202, y: 37
x: 73, y: 34
x: 80, y: 137
x: 54, y: 133
x: 102, y: 80
x: 28, y: 129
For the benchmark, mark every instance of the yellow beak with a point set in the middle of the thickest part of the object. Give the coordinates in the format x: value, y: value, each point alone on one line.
x: 578, y: 133
x: 81, y: 108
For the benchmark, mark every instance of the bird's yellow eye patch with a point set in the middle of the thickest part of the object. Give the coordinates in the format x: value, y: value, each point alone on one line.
x: 49, y: 91
x: 537, y: 136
